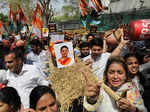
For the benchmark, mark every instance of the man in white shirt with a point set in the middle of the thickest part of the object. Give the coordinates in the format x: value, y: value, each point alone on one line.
x: 21, y: 76
x: 38, y: 56
x: 98, y: 58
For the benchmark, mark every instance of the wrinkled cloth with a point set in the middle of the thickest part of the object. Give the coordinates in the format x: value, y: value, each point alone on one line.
x: 25, y: 81
x: 40, y: 61
x: 107, y: 104
x: 99, y: 64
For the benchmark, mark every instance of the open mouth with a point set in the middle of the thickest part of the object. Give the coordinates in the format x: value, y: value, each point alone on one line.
x: 134, y: 70
x: 116, y: 82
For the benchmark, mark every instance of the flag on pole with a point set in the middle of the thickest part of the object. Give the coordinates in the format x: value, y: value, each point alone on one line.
x: 31, y: 37
x: 37, y: 21
x: 11, y: 15
x: 12, y: 21
x: 83, y: 7
x: 1, y: 27
x: 22, y: 16
x: 96, y: 5
x: 1, y: 30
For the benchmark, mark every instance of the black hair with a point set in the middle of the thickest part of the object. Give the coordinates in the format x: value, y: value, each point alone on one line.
x: 130, y: 55
x: 90, y: 34
x: 112, y: 60
x: 19, y: 54
x: 63, y: 47
x: 136, y: 56
x: 36, y: 42
x: 83, y: 44
x: 10, y: 96
x: 37, y: 93
x: 97, y: 42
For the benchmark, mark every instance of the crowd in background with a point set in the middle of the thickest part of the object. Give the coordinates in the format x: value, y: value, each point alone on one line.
x: 23, y: 73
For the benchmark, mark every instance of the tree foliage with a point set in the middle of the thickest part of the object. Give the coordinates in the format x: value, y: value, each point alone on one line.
x: 48, y: 12
x: 3, y: 18
x: 29, y: 5
x: 70, y: 11
x: 26, y: 5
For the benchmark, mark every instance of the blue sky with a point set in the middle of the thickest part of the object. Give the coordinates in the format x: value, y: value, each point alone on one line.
x: 57, y: 5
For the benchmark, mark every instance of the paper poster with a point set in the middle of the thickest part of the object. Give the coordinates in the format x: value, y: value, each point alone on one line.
x: 52, y: 27
x: 64, y: 54
x: 57, y: 37
x: 30, y: 28
x: 45, y: 32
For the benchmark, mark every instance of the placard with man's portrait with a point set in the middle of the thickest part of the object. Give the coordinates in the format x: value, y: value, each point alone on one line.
x: 64, y: 54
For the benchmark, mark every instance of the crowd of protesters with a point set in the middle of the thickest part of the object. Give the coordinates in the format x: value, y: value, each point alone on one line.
x: 23, y: 72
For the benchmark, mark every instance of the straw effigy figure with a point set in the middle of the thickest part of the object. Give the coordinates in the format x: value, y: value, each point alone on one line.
x: 69, y: 83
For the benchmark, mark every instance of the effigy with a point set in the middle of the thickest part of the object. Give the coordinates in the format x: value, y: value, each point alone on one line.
x: 69, y: 83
